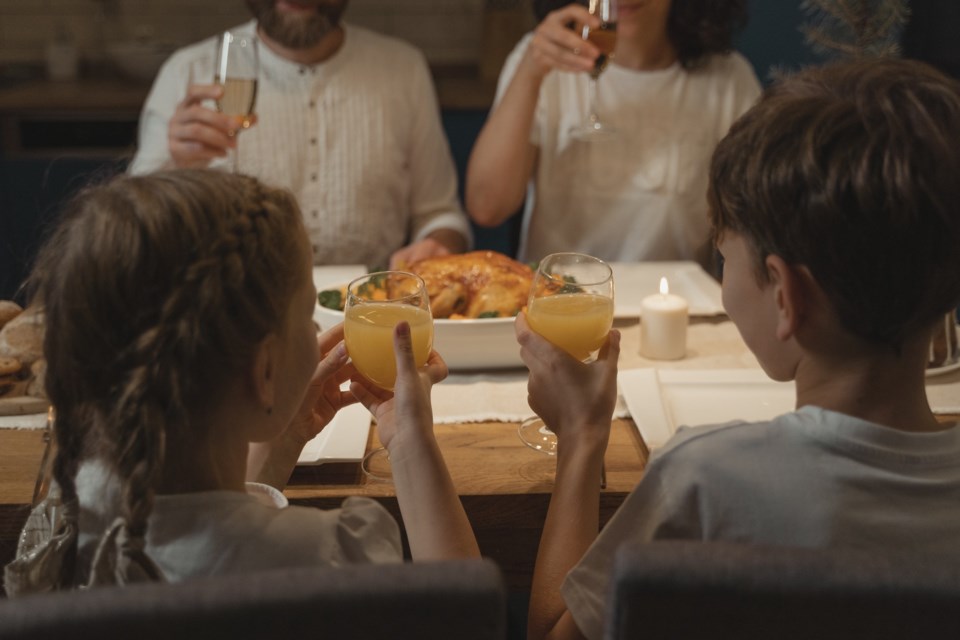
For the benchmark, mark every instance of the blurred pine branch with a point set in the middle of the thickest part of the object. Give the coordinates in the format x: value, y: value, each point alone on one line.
x: 854, y: 28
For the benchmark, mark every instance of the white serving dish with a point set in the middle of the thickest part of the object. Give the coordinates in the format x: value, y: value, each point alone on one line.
x: 465, y: 345
x: 489, y: 343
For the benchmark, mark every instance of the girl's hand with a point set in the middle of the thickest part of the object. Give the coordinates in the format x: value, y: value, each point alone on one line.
x: 575, y: 399
x: 405, y: 415
x: 556, y: 46
x: 324, y: 397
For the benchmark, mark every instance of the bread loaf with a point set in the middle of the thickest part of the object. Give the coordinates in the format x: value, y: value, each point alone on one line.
x: 22, y: 337
x: 8, y: 311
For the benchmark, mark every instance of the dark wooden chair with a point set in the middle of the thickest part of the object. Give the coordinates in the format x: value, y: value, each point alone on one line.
x: 694, y: 590
x: 429, y: 601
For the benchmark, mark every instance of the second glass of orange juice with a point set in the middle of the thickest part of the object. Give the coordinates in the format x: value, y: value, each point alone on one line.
x: 571, y: 305
x: 375, y: 304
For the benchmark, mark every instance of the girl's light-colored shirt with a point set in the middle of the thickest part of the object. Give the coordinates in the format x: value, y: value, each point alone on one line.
x: 225, y: 532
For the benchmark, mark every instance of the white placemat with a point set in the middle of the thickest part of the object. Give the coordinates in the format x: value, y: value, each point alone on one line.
x: 29, y: 421
x: 488, y: 397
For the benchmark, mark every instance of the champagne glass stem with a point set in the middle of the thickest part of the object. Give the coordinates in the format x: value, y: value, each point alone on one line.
x: 594, y: 118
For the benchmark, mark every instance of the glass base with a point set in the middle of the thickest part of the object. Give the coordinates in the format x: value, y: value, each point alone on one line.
x: 594, y: 131
x: 376, y: 465
x: 535, y: 435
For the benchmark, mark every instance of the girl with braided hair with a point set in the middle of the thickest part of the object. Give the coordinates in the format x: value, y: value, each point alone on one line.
x: 179, y: 330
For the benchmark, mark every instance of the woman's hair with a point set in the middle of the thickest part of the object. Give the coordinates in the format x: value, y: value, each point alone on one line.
x: 696, y: 28
x: 156, y: 290
x: 853, y: 170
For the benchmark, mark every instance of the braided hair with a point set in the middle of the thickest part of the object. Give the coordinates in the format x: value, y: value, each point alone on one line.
x: 156, y: 290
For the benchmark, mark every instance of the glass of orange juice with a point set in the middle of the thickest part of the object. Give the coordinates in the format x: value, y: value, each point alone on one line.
x: 375, y: 304
x: 571, y: 305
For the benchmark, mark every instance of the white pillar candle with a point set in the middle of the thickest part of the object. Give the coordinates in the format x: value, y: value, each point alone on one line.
x: 663, y: 325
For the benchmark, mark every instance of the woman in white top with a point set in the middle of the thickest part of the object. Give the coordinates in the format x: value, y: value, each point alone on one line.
x: 673, y: 90
x: 179, y: 329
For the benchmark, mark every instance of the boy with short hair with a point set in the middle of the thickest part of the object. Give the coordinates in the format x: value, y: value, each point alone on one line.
x: 836, y: 205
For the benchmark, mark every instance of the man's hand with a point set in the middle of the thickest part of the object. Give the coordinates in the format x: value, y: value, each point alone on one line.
x: 197, y: 134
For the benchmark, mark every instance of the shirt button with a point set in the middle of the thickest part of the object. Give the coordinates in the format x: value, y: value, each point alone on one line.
x: 313, y: 141
x: 312, y: 104
x: 315, y: 215
x: 313, y: 177
x: 302, y: 71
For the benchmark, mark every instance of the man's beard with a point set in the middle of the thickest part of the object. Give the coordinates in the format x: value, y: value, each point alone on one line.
x: 297, y: 32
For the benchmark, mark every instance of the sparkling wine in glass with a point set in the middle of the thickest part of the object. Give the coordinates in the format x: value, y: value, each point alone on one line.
x: 375, y: 304
x: 604, y: 38
x: 571, y: 305
x: 237, y: 70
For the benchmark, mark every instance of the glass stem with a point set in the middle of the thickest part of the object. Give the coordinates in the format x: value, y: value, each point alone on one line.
x: 594, y: 118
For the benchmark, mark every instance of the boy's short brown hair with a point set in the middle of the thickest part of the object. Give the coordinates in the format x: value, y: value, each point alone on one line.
x: 853, y: 170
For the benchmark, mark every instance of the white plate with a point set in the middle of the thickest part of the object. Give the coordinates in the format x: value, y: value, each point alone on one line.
x: 464, y: 344
x: 662, y: 400
x: 634, y: 281
x: 343, y: 440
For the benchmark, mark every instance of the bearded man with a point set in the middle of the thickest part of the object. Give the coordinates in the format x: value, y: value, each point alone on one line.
x: 346, y: 118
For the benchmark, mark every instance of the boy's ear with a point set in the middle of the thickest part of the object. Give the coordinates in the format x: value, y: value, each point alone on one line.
x: 789, y: 286
x: 263, y: 372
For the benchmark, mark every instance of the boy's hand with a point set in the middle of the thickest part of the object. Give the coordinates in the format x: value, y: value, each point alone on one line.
x: 575, y: 399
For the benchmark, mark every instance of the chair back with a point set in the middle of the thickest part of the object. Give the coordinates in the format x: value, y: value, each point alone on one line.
x: 456, y: 599
x: 694, y: 590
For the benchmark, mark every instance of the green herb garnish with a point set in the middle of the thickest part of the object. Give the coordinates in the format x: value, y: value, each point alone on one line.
x: 489, y: 314
x: 331, y: 299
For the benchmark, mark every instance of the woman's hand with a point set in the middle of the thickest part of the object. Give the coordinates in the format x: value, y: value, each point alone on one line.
x: 575, y: 399
x: 556, y: 46
x: 405, y: 415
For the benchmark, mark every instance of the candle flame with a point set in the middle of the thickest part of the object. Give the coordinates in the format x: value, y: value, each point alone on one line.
x: 664, y: 287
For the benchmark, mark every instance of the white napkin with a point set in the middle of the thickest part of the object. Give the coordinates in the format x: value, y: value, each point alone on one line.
x: 28, y: 421
x: 343, y: 440
x: 487, y: 397
x: 943, y: 392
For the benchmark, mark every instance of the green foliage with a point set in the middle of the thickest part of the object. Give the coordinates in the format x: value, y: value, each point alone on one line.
x: 855, y: 28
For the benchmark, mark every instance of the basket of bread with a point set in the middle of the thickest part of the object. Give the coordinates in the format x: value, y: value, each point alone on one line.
x: 22, y: 366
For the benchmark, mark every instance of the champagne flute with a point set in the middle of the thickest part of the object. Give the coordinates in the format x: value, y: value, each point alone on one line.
x: 604, y: 38
x: 237, y: 69
x: 375, y: 304
x: 571, y: 305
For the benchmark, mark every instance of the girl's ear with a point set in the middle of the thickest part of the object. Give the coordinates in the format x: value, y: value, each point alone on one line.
x: 791, y: 295
x: 264, y: 371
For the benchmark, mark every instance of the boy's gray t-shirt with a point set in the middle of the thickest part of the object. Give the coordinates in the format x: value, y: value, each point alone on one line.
x: 810, y: 478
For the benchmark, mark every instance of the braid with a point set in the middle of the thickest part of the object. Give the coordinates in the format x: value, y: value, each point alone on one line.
x: 157, y: 291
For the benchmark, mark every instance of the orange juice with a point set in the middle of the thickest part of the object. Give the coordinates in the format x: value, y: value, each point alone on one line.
x: 575, y: 322
x: 368, y: 333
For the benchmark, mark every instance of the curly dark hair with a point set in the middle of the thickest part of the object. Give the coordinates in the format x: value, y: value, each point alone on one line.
x: 697, y: 28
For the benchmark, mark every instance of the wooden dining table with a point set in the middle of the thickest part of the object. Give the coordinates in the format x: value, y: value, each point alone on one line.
x: 504, y: 486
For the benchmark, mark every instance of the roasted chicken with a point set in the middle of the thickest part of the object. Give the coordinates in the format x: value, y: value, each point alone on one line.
x: 473, y: 285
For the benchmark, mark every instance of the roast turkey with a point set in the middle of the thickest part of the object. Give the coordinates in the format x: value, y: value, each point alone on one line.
x: 479, y: 284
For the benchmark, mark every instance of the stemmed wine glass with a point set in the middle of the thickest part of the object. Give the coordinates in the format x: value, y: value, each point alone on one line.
x: 571, y: 305
x: 604, y: 38
x: 375, y: 304
x: 238, y: 66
